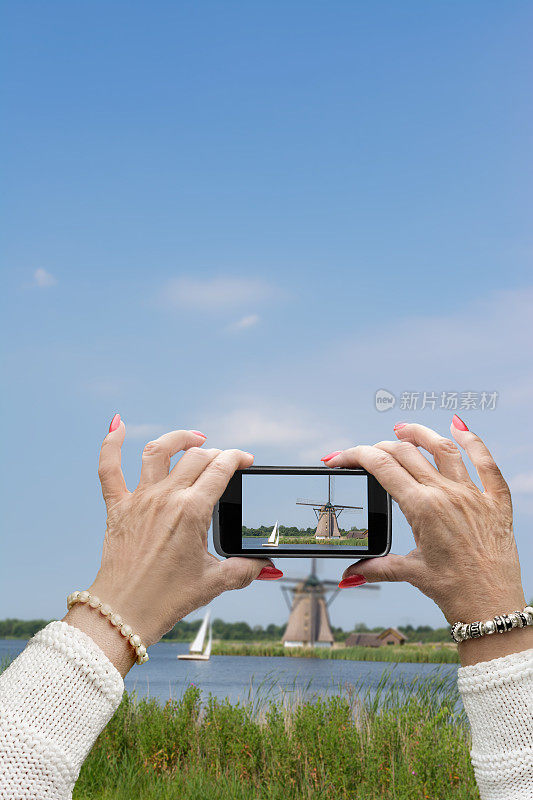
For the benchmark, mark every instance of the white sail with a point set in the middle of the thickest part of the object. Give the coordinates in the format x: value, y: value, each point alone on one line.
x: 273, y: 539
x: 198, y: 645
x: 274, y: 535
x: 207, y: 651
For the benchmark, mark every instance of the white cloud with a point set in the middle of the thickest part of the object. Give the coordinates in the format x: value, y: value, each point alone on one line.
x: 522, y: 483
x: 144, y: 430
x: 245, y: 322
x: 42, y: 279
x: 290, y: 428
x: 214, y: 294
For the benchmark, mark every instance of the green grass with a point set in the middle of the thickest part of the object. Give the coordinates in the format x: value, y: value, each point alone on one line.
x: 343, y: 542
x: 425, y: 653
x: 407, y: 742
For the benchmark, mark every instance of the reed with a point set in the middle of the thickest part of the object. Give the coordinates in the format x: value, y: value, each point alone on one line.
x: 420, y: 654
x: 402, y: 741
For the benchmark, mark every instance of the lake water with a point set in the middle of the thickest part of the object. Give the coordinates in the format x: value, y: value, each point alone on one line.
x: 238, y: 677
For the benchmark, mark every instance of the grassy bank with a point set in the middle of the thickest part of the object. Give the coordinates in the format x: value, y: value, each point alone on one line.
x: 345, y: 542
x: 398, y: 745
x: 425, y: 653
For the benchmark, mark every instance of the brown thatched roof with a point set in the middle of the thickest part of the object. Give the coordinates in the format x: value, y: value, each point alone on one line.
x: 363, y: 639
x: 395, y: 632
x: 373, y: 639
x: 355, y: 534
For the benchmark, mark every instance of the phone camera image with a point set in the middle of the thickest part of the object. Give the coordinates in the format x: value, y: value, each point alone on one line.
x: 311, y: 513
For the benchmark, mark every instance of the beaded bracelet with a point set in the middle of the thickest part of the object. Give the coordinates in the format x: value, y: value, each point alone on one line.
x: 501, y: 624
x: 115, y: 620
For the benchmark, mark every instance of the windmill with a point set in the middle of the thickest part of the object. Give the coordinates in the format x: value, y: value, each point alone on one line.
x: 327, y: 514
x: 308, y: 600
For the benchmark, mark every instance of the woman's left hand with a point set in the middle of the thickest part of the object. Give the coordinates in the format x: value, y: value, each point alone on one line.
x: 155, y: 567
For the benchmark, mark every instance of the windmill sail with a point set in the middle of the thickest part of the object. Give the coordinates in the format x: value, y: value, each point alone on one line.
x: 273, y: 539
x: 198, y: 645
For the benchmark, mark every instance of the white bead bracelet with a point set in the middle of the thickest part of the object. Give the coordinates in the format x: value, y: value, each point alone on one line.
x: 116, y: 621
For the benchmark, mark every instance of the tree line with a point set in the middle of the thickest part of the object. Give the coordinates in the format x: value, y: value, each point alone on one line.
x: 266, y: 530
x: 184, y: 631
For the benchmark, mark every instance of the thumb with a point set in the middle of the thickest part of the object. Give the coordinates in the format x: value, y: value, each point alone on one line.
x: 386, y: 568
x: 236, y: 573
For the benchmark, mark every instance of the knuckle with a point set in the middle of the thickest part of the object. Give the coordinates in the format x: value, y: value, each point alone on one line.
x: 237, y: 578
x: 445, y: 447
x: 486, y: 464
x: 385, y: 444
x: 219, y: 468
x: 404, y: 448
x: 380, y: 459
x: 106, y: 471
x: 192, y: 503
x: 155, y: 448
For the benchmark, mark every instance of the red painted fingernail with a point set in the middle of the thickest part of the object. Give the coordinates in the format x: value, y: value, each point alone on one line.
x: 115, y: 422
x: 458, y: 423
x: 399, y: 425
x: 199, y: 433
x: 269, y: 574
x: 352, y: 580
x: 331, y: 455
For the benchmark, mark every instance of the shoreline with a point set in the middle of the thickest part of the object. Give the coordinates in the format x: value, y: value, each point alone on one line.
x: 414, y: 654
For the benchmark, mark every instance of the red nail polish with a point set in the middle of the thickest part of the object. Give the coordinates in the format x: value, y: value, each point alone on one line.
x: 458, y: 423
x: 115, y: 422
x: 269, y: 574
x: 331, y: 455
x: 199, y: 433
x: 399, y: 425
x: 352, y: 580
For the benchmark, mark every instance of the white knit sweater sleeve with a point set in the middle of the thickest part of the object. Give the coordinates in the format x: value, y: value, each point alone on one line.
x: 498, y: 698
x: 55, y: 698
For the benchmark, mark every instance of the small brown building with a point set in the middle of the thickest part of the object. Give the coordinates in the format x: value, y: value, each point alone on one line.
x: 388, y: 636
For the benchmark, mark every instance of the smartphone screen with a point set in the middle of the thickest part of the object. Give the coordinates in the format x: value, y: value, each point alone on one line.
x: 294, y: 512
x: 304, y: 512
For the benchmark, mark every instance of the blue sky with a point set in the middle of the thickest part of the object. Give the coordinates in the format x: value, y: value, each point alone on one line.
x: 246, y: 218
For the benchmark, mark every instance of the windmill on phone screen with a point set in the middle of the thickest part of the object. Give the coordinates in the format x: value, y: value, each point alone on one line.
x: 328, y: 513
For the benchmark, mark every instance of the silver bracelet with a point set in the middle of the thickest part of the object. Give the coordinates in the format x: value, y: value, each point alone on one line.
x: 501, y: 624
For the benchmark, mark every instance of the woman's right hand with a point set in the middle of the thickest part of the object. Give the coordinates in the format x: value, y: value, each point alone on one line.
x: 155, y: 566
x: 465, y: 557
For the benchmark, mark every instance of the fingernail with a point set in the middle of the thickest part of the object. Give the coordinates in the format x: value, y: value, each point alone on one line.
x: 399, y: 425
x: 458, y: 423
x: 269, y: 574
x: 115, y: 422
x: 331, y: 455
x: 199, y: 433
x: 352, y: 580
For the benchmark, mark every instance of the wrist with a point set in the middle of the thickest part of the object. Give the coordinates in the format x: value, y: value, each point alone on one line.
x: 484, y: 606
x: 486, y: 648
x: 116, y: 647
x: 128, y: 605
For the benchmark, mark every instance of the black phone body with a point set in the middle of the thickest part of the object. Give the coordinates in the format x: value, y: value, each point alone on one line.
x: 320, y: 533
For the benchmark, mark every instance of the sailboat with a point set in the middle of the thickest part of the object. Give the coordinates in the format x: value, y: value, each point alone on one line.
x: 273, y: 539
x: 196, y: 649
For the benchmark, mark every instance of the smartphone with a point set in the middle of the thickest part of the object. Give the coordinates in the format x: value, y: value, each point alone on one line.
x: 297, y: 512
